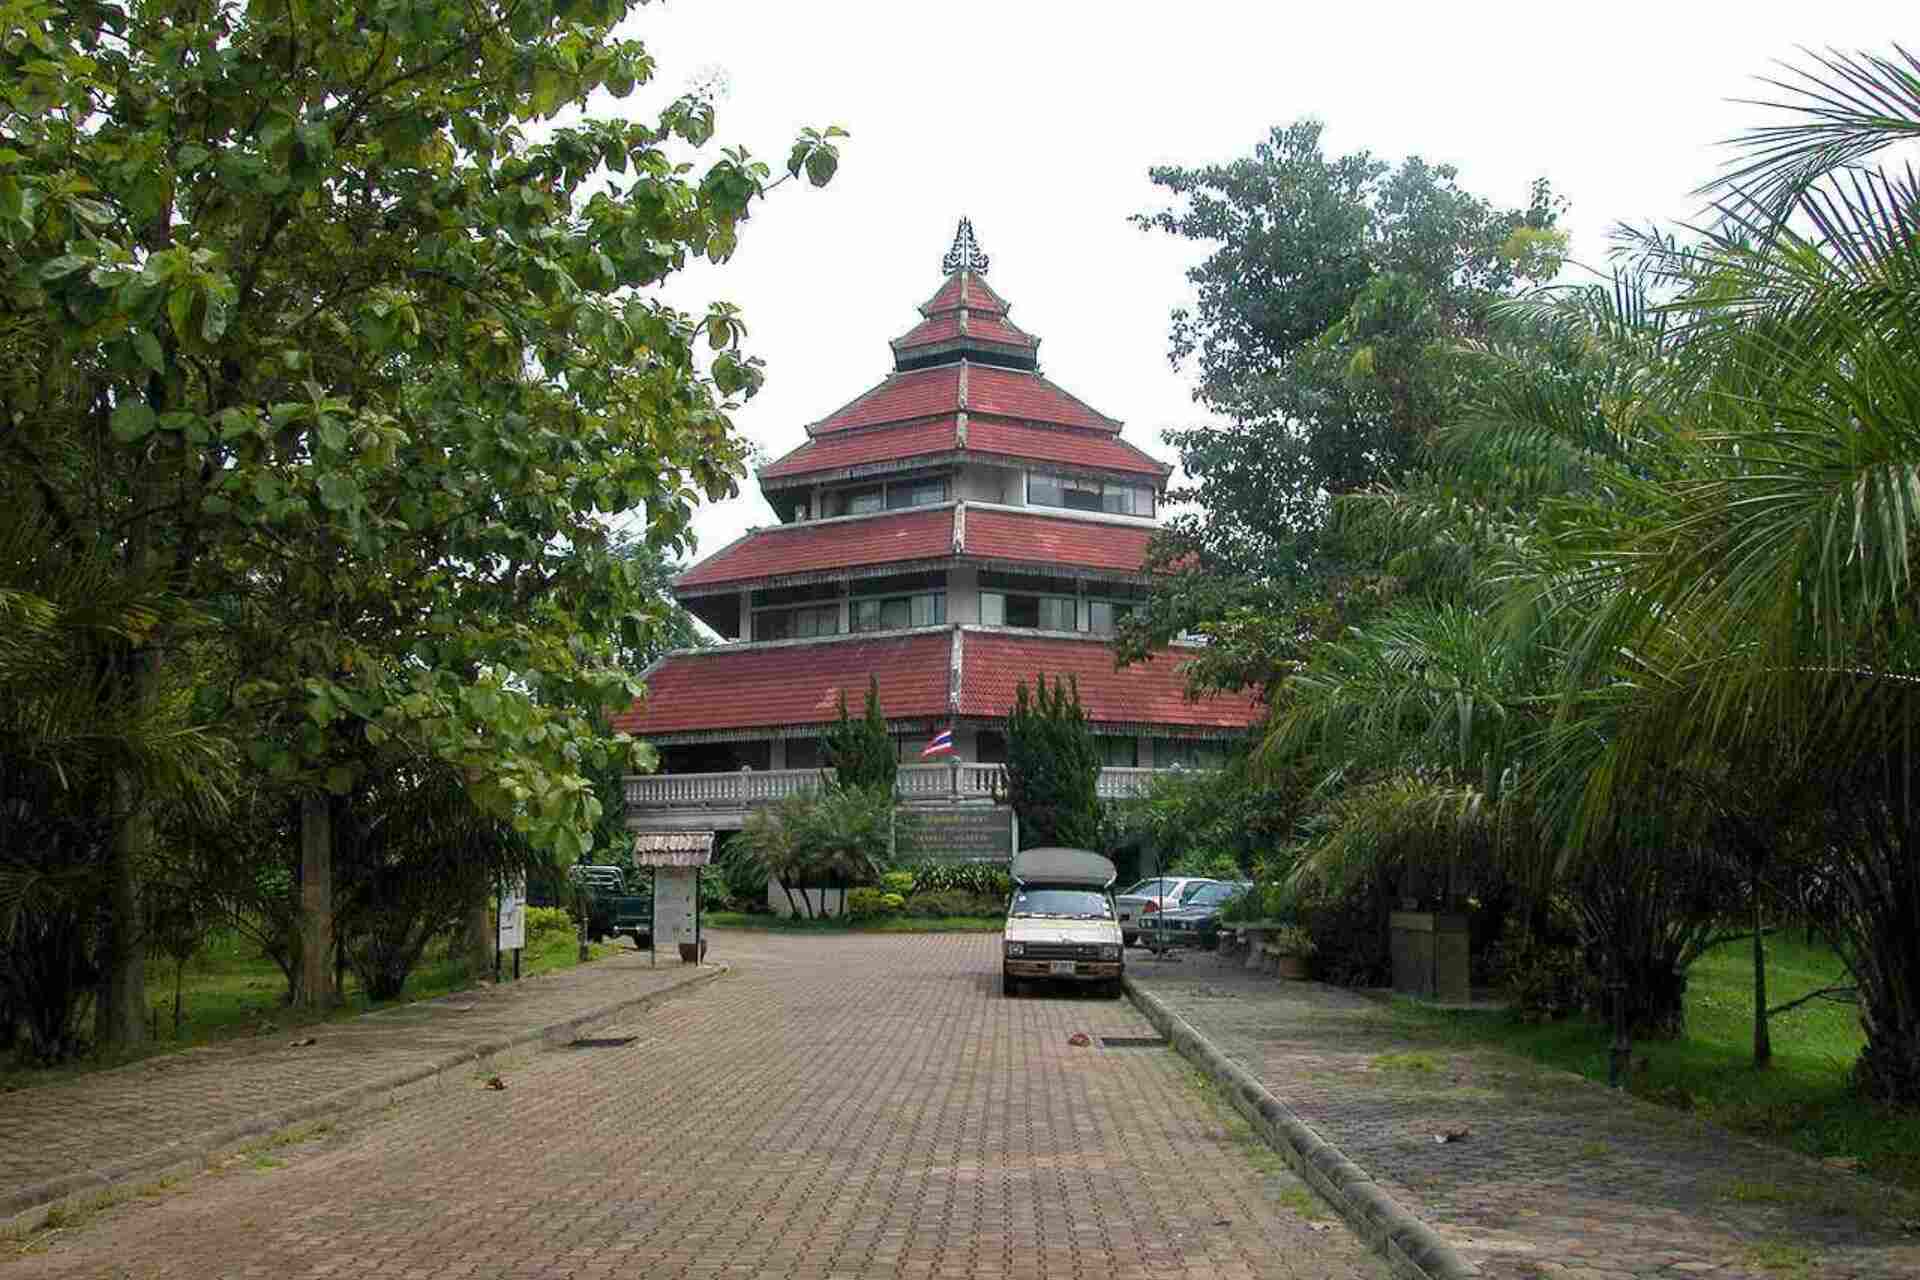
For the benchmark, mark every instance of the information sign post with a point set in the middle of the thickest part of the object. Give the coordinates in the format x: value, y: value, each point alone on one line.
x: 675, y: 859
x: 512, y: 915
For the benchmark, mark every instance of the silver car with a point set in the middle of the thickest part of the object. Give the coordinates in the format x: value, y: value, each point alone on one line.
x: 1139, y: 903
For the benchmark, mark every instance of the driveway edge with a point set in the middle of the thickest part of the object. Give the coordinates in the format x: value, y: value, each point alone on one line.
x: 191, y: 1154
x: 1410, y: 1246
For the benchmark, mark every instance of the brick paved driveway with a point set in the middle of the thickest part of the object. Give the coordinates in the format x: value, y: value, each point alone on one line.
x: 1557, y: 1177
x: 868, y: 1106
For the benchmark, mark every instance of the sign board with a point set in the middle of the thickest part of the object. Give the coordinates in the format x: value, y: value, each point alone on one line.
x: 962, y: 833
x: 674, y: 899
x: 513, y: 914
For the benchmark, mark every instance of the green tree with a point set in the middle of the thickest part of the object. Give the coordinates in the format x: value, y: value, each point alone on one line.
x: 1053, y: 766
x: 1329, y: 316
x: 1746, y: 588
x: 862, y: 752
x: 375, y: 354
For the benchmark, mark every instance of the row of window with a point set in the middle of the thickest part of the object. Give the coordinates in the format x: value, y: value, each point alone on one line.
x: 1117, y: 751
x: 1053, y: 613
x: 1044, y: 489
x: 1111, y: 496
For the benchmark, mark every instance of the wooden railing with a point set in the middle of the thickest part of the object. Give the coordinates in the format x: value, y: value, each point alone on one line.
x: 749, y: 788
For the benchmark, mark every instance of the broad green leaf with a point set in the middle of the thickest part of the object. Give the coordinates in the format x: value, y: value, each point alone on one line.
x: 131, y: 421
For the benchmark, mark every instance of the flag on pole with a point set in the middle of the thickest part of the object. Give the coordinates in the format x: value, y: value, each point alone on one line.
x: 942, y: 745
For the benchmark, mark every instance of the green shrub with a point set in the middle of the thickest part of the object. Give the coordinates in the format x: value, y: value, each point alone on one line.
x: 865, y: 901
x: 955, y: 902
x: 1543, y: 979
x: 893, y: 902
x: 1271, y: 900
x: 544, y: 923
x: 900, y: 882
x: 1349, y: 931
x: 1213, y: 864
x: 986, y: 878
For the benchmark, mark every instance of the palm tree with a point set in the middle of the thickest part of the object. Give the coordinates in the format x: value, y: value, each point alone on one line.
x: 1749, y: 582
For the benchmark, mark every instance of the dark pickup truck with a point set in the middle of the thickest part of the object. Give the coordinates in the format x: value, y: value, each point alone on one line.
x: 611, y: 910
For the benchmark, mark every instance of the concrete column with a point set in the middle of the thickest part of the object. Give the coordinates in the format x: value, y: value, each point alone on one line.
x: 746, y: 616
x: 963, y: 594
x: 777, y: 757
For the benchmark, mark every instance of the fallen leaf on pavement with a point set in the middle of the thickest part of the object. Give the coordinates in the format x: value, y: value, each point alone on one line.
x: 495, y: 1082
x: 1079, y: 1039
x: 301, y: 1044
x: 1452, y: 1135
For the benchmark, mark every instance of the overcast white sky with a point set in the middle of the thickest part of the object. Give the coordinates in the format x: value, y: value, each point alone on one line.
x: 1040, y: 119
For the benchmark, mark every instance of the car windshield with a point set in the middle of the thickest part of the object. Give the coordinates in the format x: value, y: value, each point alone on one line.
x: 1061, y: 904
x: 1209, y: 895
x: 1148, y: 889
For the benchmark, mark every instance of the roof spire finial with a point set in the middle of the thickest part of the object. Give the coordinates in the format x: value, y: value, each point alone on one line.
x: 965, y: 254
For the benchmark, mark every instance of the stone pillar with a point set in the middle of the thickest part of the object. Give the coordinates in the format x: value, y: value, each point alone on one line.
x: 963, y: 594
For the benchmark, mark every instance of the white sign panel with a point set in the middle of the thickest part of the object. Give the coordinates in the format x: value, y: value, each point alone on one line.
x: 513, y: 913
x: 673, y: 905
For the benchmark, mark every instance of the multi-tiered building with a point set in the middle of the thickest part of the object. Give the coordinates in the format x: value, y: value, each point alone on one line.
x: 962, y: 526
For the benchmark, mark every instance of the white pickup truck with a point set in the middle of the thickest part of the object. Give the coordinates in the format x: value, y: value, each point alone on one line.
x: 1061, y: 923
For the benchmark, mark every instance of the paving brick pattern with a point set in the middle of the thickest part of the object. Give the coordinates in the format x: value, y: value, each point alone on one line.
x: 1557, y: 1176
x: 850, y: 1107
x: 101, y: 1119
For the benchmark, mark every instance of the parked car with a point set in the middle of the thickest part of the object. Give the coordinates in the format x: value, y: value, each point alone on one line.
x: 1150, y: 897
x: 1196, y: 921
x: 611, y: 910
x: 1060, y: 921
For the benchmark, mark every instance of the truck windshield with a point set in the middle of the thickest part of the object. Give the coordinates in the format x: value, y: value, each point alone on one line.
x: 1062, y: 904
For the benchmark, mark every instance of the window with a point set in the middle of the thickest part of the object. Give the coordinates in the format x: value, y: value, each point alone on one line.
x: 920, y: 491
x: 922, y: 609
x: 916, y: 493
x: 1118, y: 752
x: 1046, y: 613
x: 1188, y: 753
x: 796, y: 624
x: 805, y: 753
x: 990, y: 747
x: 1046, y: 490
x: 1103, y: 616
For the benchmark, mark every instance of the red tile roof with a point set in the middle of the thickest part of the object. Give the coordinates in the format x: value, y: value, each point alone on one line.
x: 1086, y: 544
x: 993, y: 329
x: 1152, y: 692
x: 978, y: 295
x: 901, y: 398
x: 1051, y: 444
x: 810, y: 548
x: 852, y: 449
x: 740, y: 688
x: 1005, y: 393
x: 939, y: 329
x: 1013, y: 393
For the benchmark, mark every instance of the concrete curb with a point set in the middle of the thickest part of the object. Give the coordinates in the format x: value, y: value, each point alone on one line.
x: 1410, y: 1246
x: 192, y: 1153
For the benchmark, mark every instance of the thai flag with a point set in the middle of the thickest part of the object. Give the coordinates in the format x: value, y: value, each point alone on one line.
x: 942, y: 745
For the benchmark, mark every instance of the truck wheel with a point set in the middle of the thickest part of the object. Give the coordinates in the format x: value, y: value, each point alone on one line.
x: 1008, y: 987
x: 1114, y: 989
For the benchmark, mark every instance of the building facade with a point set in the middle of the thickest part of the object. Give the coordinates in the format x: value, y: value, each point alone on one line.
x: 963, y: 526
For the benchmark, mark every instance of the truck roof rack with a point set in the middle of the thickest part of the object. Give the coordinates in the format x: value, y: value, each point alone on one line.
x: 1063, y: 866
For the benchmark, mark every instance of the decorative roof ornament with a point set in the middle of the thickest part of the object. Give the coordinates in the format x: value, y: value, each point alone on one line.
x: 965, y: 254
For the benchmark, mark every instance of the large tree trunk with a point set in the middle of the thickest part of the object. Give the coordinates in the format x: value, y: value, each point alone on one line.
x: 120, y: 1011
x: 1762, y: 1035
x: 476, y: 938
x: 316, y: 902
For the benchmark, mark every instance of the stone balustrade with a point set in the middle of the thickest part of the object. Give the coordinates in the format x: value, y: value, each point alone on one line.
x: 749, y: 788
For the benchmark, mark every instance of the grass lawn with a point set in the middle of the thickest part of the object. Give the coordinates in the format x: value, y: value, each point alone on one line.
x: 1803, y: 1101
x: 229, y: 990
x: 865, y: 924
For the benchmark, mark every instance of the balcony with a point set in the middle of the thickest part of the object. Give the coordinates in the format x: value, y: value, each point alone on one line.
x: 722, y: 800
